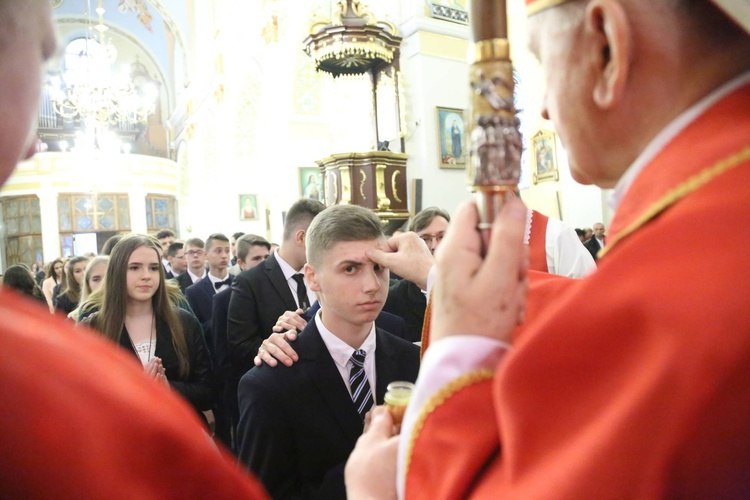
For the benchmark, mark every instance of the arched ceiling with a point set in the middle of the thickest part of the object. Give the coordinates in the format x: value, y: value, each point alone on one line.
x: 155, y: 25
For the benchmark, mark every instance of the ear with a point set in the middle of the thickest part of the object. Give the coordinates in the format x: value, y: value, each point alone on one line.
x: 311, y: 278
x: 299, y: 237
x: 609, y: 33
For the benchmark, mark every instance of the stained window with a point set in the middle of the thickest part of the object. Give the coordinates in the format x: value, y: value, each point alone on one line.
x: 83, y: 213
x: 23, y: 230
x: 161, y: 213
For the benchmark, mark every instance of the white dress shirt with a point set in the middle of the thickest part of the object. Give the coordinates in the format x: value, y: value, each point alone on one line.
x: 193, y: 277
x: 341, y: 352
x: 166, y: 264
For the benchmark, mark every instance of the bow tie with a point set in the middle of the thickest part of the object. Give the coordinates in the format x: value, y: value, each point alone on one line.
x: 219, y: 284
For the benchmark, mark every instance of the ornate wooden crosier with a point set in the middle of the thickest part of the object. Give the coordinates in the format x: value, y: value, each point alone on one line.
x: 495, y: 140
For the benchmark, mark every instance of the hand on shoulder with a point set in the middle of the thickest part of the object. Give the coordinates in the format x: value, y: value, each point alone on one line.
x: 277, y: 348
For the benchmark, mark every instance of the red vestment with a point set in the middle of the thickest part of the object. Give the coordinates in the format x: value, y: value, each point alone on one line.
x: 538, y: 243
x: 634, y: 382
x: 80, y: 419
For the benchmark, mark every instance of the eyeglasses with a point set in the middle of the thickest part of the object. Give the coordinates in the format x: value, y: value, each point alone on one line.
x: 194, y: 253
x: 428, y: 238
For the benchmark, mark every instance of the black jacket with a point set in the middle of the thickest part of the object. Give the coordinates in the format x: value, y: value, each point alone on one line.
x: 64, y: 304
x: 260, y: 296
x: 298, y: 424
x: 407, y: 301
x: 197, y: 386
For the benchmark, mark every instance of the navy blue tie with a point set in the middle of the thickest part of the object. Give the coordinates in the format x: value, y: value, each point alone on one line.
x: 360, y: 386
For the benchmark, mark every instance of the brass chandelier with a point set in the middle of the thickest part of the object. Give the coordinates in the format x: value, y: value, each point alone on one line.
x: 353, y: 41
x: 95, y: 93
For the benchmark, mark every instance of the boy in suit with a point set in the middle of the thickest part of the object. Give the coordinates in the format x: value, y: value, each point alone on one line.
x: 298, y: 424
x: 166, y: 237
x: 196, y: 263
x: 176, y: 258
x: 264, y: 293
x: 251, y: 251
x: 200, y: 295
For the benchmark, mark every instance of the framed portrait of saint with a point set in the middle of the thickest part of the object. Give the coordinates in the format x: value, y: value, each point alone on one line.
x: 249, y: 207
x: 451, y: 138
x: 311, y: 183
x: 544, y: 157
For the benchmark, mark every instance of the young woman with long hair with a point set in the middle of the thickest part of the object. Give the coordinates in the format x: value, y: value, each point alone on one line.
x: 55, y: 274
x: 20, y: 278
x: 70, y: 293
x: 136, y: 314
x: 93, y: 301
x: 93, y: 277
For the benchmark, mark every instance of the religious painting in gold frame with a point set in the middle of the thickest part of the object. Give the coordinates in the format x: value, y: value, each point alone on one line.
x: 544, y: 165
x: 310, y: 180
x: 451, y: 138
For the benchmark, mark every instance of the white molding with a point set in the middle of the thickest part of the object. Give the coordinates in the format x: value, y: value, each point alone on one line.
x: 415, y: 24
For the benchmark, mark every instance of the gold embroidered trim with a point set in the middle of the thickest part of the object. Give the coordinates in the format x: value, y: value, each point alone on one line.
x: 438, y: 399
x: 672, y: 196
x: 425, y: 339
x: 540, y: 5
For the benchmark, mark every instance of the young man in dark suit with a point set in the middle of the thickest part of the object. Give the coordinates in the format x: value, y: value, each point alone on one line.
x: 298, y: 424
x: 166, y: 237
x: 195, y: 255
x: 200, y: 295
x: 251, y: 251
x: 264, y: 293
x: 176, y: 258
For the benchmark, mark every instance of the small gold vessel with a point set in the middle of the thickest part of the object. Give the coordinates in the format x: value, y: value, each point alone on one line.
x: 396, y: 399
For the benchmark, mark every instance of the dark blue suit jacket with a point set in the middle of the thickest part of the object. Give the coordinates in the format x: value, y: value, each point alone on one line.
x: 220, y: 348
x: 200, y: 297
x: 298, y: 424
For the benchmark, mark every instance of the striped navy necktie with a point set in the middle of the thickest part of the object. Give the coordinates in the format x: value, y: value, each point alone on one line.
x: 360, y: 386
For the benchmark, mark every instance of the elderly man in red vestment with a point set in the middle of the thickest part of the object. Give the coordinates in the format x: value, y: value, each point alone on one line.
x: 650, y: 397
x: 80, y: 419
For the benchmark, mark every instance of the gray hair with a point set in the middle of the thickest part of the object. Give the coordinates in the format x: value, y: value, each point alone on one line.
x: 424, y: 218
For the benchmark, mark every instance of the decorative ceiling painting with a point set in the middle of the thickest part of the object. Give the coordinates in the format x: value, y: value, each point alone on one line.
x: 158, y: 26
x: 140, y: 8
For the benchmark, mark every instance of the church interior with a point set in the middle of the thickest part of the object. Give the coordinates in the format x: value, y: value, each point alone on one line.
x: 215, y: 116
